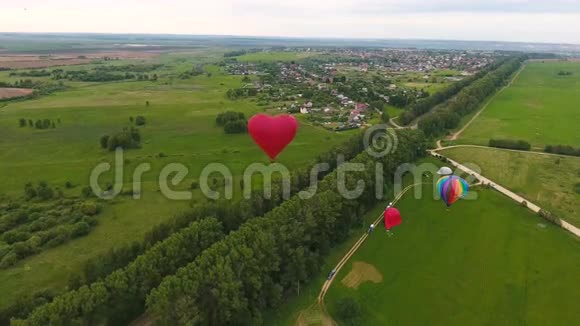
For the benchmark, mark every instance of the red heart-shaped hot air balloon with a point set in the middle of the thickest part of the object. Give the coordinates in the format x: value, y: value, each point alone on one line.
x: 392, y: 218
x: 272, y: 134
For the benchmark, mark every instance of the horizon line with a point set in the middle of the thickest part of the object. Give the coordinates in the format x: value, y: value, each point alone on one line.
x: 292, y: 37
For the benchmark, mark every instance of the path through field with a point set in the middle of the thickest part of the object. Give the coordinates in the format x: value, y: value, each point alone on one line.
x: 309, y: 316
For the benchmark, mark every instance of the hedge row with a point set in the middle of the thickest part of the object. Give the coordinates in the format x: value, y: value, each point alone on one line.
x: 562, y: 149
x: 521, y: 145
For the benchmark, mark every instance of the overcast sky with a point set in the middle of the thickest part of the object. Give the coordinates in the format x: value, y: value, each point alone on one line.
x: 507, y: 20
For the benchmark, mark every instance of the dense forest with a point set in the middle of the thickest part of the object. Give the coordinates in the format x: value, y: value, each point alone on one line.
x: 249, y: 270
x: 231, y: 214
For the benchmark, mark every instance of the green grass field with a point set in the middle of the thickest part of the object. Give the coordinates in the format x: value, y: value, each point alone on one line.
x: 180, y: 125
x: 483, y: 262
x: 540, y: 107
x: 274, y: 56
x: 545, y: 180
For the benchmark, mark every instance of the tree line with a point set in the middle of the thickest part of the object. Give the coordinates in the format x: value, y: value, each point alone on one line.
x: 425, y: 105
x: 120, y: 297
x: 448, y: 115
x: 521, y: 145
x: 254, y: 268
x: 39, y: 124
x: 40, y: 88
x: 232, y: 214
x: 562, y: 149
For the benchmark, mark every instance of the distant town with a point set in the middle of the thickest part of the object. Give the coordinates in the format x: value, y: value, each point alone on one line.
x: 343, y: 89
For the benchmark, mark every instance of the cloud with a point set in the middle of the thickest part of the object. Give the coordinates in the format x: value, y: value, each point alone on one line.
x: 381, y: 7
x: 507, y: 20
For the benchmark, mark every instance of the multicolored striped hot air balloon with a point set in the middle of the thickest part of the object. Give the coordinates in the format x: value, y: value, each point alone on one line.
x: 451, y: 188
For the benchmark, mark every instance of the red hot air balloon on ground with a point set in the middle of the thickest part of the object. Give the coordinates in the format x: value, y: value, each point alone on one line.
x: 392, y: 218
x: 272, y: 134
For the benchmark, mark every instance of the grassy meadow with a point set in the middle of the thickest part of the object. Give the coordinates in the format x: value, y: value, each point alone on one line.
x: 180, y: 128
x: 482, y: 262
x: 548, y: 181
x: 274, y: 56
x: 541, y: 107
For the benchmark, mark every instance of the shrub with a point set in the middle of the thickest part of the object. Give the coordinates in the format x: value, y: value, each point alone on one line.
x: 43, y: 191
x: 104, y: 141
x: 14, y: 236
x: 194, y: 185
x: 87, y: 192
x: 236, y: 127
x: 8, y: 260
x: 126, y: 139
x: 90, y: 208
x: 29, y: 191
x: 349, y: 311
x: 562, y: 149
x: 80, y: 229
x: 510, y: 144
x: 547, y: 215
x: 577, y: 188
x: 140, y: 120
x: 228, y: 116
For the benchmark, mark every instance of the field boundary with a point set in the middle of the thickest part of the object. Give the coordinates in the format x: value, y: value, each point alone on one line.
x: 441, y: 148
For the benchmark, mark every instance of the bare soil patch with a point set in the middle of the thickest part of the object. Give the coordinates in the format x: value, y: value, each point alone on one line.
x: 314, y: 316
x: 361, y: 272
x: 30, y: 61
x: 14, y: 92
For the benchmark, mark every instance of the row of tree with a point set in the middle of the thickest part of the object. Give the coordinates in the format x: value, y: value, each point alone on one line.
x: 562, y: 149
x: 101, y: 76
x: 31, y: 73
x: 521, y: 145
x: 254, y: 268
x: 427, y: 104
x: 30, y: 227
x: 232, y: 214
x: 448, y: 115
x: 120, y: 297
x: 39, y: 124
